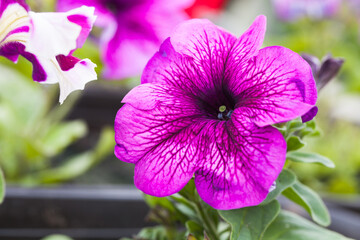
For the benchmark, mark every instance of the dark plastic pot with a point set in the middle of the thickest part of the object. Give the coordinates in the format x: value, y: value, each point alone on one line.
x: 109, y: 212
x: 84, y: 213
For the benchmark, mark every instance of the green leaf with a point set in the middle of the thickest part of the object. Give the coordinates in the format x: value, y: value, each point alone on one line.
x: 26, y: 98
x: 188, y: 192
x: 194, y: 229
x: 294, y: 143
x: 212, y: 213
x: 59, y: 136
x: 159, y: 201
x: 289, y: 226
x: 311, y: 124
x: 2, y: 186
x: 285, y: 180
x: 310, y: 158
x: 57, y: 237
x: 75, y: 165
x: 295, y: 125
x: 250, y: 223
x: 153, y: 233
x: 310, y: 129
x: 310, y: 201
x: 186, y: 208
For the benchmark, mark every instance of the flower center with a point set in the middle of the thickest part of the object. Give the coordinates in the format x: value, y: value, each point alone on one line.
x: 217, y: 103
x: 224, y: 113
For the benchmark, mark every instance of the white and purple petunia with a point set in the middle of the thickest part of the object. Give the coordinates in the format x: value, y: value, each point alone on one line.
x: 205, y: 109
x: 48, y: 40
x: 133, y: 30
x: 291, y: 10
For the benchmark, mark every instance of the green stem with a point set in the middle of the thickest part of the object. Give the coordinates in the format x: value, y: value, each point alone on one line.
x: 61, y: 111
x: 210, y: 226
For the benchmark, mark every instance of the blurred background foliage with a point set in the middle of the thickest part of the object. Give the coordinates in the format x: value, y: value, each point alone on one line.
x: 337, y: 118
x: 33, y: 134
x: 40, y: 140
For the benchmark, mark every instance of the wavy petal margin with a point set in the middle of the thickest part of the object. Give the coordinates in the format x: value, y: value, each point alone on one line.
x: 240, y: 163
x: 277, y: 86
x: 156, y: 131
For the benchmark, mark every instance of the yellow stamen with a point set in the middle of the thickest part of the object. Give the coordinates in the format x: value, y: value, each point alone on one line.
x: 222, y: 108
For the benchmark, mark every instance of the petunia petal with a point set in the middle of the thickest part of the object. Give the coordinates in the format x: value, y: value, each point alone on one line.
x: 126, y: 53
x: 250, y: 41
x: 11, y: 51
x: 104, y: 15
x: 132, y: 31
x: 240, y: 163
x: 14, y: 25
x: 62, y: 33
x: 170, y: 165
x: 85, y: 18
x: 38, y: 74
x: 157, y: 66
x: 59, y: 33
x: 201, y: 39
x: 277, y: 86
x: 156, y: 131
x: 205, y: 42
x: 198, y: 67
x: 174, y: 4
x: 164, y: 15
x: 149, y: 101
x: 214, y: 51
x: 4, y: 4
x: 310, y: 114
x: 76, y: 78
x: 56, y: 31
x: 69, y: 80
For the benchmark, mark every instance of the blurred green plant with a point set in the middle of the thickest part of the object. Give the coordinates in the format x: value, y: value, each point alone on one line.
x: 33, y: 133
x: 339, y: 35
x: 340, y: 142
x: 57, y: 237
x: 2, y: 186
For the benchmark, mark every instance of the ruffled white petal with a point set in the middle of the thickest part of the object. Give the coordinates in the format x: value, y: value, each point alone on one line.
x: 70, y: 80
x: 48, y: 35
x: 76, y: 78
x: 52, y: 34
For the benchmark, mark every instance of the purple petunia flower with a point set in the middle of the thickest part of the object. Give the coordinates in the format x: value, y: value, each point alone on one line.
x: 205, y: 108
x: 133, y: 30
x: 48, y: 40
x: 291, y: 10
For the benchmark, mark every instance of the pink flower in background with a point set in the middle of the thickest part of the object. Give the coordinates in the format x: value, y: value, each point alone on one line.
x: 291, y: 10
x: 48, y: 40
x: 133, y: 30
x: 205, y: 108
